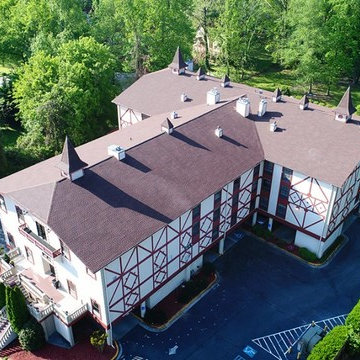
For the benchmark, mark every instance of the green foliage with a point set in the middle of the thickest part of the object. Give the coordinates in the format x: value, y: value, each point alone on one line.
x: 155, y: 316
x: 2, y: 295
x: 32, y: 337
x: 353, y: 341
x: 6, y: 258
x: 3, y: 161
x: 65, y: 94
x: 307, y: 255
x: 329, y: 347
x: 353, y: 319
x: 98, y: 339
x: 262, y: 232
x: 17, y: 311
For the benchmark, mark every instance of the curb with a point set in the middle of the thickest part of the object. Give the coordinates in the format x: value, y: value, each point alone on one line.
x: 187, y: 307
x: 310, y: 264
x: 119, y: 351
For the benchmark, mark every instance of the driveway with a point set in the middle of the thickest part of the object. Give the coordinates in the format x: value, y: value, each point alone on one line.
x: 261, y: 291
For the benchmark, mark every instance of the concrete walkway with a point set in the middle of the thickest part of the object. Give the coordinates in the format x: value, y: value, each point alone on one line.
x: 261, y: 291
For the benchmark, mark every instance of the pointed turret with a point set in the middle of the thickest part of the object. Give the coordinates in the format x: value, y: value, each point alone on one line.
x: 276, y: 95
x: 70, y: 164
x: 225, y: 81
x: 200, y: 75
x: 345, y: 108
x: 167, y: 126
x: 178, y: 64
x: 304, y: 102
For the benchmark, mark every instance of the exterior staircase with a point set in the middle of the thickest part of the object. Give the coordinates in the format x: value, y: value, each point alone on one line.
x: 7, y: 335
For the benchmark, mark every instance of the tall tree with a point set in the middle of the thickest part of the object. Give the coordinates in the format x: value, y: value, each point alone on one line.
x: 66, y: 93
x: 16, y: 309
x: 3, y: 162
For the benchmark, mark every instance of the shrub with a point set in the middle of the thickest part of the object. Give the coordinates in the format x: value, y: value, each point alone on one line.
x: 6, y: 258
x: 332, y: 247
x: 353, y: 341
x: 329, y: 347
x: 307, y: 255
x: 98, y: 339
x: 262, y: 232
x: 155, y: 316
x: 353, y: 319
x: 31, y: 337
x: 17, y: 311
x: 2, y: 295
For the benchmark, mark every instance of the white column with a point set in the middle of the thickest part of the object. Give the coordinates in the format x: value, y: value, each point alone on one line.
x: 187, y: 273
x: 254, y: 219
x: 143, y: 309
x: 221, y: 246
x: 109, y: 339
x: 71, y: 336
x: 270, y: 224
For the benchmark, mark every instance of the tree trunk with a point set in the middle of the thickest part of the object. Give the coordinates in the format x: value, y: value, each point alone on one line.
x: 206, y: 39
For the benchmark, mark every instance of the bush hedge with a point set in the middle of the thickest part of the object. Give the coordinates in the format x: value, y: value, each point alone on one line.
x: 31, y: 337
x: 353, y: 319
x: 2, y: 295
x: 307, y: 255
x: 262, y: 232
x: 17, y: 311
x: 330, y: 346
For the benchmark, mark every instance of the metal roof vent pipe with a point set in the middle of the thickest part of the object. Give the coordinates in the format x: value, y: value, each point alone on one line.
x: 183, y: 97
x: 262, y: 107
x: 116, y: 151
x: 219, y: 132
x: 243, y: 106
x: 212, y: 96
x: 174, y: 115
x: 273, y: 126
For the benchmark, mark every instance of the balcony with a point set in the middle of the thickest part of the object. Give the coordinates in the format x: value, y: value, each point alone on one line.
x: 39, y: 242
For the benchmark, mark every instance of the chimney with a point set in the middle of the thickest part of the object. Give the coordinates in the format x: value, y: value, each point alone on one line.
x: 167, y: 126
x: 345, y: 109
x: 183, y: 97
x: 212, y: 96
x: 174, y: 115
x: 262, y: 107
x: 243, y: 106
x: 219, y: 132
x: 225, y: 82
x: 304, y: 103
x: 273, y: 126
x: 178, y: 64
x: 71, y: 165
x: 116, y: 151
x: 276, y: 95
x: 200, y: 75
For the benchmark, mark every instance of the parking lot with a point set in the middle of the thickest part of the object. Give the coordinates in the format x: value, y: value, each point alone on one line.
x: 261, y: 291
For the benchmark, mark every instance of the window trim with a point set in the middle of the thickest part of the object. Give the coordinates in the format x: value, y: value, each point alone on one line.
x: 3, y: 204
x: 20, y: 214
x: 11, y: 243
x: 67, y: 253
x: 70, y: 291
x: 41, y: 227
x: 95, y: 313
x: 27, y: 251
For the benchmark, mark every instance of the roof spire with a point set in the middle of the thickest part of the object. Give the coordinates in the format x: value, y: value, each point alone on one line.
x: 200, y: 73
x: 178, y: 64
x: 304, y: 102
x: 167, y: 126
x: 345, y: 107
x: 70, y: 162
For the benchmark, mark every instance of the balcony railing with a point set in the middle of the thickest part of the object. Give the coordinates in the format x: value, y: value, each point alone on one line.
x: 39, y: 242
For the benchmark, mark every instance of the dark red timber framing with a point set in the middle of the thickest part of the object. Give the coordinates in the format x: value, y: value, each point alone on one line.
x: 284, y: 190
x: 266, y: 185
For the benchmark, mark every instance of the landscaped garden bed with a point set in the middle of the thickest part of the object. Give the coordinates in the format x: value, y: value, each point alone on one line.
x: 300, y: 252
x: 180, y: 298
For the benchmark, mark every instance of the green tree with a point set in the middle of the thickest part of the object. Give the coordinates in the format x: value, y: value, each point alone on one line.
x: 17, y: 311
x: 2, y: 295
x: 3, y: 162
x: 67, y: 93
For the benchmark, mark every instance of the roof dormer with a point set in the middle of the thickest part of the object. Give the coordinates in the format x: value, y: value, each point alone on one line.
x: 345, y: 109
x: 71, y: 165
x: 178, y: 64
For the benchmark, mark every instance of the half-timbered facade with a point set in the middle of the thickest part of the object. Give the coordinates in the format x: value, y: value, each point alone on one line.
x: 123, y: 220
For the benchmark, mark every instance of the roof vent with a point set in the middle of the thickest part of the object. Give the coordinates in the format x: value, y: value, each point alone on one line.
x: 200, y: 75
x: 174, y: 115
x: 345, y: 109
x: 116, y: 151
x: 183, y: 97
x: 262, y: 107
x: 178, y: 64
x: 304, y: 103
x: 243, y: 106
x: 167, y: 126
x: 276, y: 95
x: 219, y: 132
x: 212, y: 96
x: 273, y: 126
x: 225, y: 82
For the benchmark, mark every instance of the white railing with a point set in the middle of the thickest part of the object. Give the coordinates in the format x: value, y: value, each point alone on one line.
x: 69, y: 318
x: 5, y: 275
x: 5, y: 336
x: 14, y: 253
x: 32, y: 288
x: 3, y: 313
x: 40, y: 314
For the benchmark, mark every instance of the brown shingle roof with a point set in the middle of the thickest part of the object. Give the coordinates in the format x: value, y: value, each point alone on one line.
x: 345, y: 105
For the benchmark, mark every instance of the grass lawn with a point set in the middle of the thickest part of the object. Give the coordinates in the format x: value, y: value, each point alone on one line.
x: 9, y: 136
x: 269, y: 76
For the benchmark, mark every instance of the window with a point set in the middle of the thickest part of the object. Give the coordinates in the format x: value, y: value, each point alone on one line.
x: 268, y: 167
x: 281, y: 211
x: 264, y: 202
x: 95, y: 308
x: 2, y: 203
x: 11, y: 240
x: 286, y: 174
x: 65, y: 251
x: 215, y: 233
x: 254, y: 186
x: 20, y: 214
x: 233, y: 219
x: 41, y: 230
x: 29, y: 255
x: 90, y: 273
x: 252, y: 203
x: 217, y: 197
x: 284, y: 191
x: 256, y: 171
x: 72, y: 289
x: 196, y: 212
x: 196, y: 224
x: 266, y: 185
x: 216, y: 214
